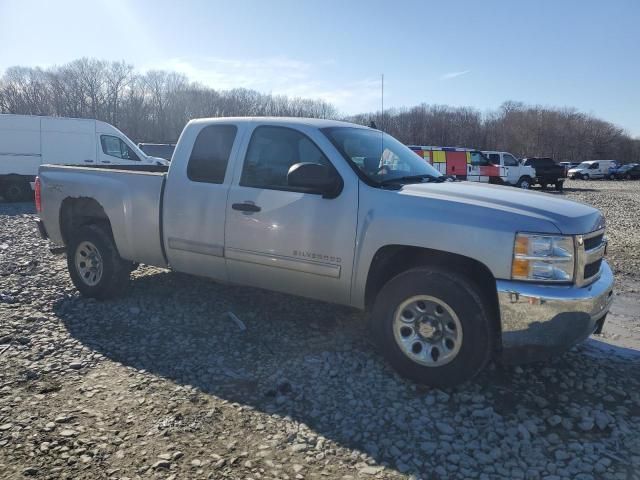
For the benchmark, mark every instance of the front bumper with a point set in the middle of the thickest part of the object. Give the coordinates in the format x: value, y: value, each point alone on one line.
x: 542, y: 320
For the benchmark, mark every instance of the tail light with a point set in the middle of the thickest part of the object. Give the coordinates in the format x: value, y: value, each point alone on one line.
x: 38, y: 196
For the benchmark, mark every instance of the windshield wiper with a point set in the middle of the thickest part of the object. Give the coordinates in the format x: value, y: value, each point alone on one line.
x: 411, y: 178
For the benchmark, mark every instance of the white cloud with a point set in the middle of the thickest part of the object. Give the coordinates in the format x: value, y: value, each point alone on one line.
x: 450, y: 75
x: 280, y: 76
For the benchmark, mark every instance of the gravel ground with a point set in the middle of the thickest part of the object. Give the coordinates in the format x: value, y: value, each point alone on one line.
x: 162, y: 383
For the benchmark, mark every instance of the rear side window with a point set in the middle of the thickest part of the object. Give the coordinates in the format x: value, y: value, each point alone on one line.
x: 210, y: 154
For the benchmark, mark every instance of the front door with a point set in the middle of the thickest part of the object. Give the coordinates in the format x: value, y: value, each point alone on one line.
x: 282, y: 239
x: 511, y: 168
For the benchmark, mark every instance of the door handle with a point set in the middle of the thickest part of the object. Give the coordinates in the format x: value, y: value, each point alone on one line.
x: 88, y: 161
x: 106, y: 161
x: 246, y: 207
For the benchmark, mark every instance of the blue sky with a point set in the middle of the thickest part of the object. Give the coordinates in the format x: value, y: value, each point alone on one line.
x: 584, y: 54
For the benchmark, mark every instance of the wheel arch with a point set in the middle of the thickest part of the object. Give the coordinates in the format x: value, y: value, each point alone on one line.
x: 76, y: 212
x: 391, y: 260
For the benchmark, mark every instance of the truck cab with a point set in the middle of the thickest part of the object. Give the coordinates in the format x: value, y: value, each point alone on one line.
x: 511, y: 171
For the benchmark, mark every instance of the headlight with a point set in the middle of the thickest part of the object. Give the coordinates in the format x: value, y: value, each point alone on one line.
x: 547, y: 258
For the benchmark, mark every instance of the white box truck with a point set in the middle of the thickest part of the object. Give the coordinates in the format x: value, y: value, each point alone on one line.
x: 28, y: 141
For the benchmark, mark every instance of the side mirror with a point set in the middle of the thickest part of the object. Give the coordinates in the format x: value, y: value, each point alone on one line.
x: 315, y: 178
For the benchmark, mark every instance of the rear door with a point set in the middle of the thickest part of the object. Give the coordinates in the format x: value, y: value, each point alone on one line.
x: 19, y: 145
x: 195, y: 199
x: 457, y: 163
x: 68, y: 141
x: 282, y: 239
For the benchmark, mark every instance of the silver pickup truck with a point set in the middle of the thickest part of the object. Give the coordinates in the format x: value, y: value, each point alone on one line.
x: 452, y: 273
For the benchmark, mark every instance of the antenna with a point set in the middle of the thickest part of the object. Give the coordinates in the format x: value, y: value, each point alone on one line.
x: 382, y: 101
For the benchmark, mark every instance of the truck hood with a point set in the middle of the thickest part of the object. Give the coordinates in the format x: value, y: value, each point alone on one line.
x: 569, y: 217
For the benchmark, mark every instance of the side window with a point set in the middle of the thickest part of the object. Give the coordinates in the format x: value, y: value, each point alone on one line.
x: 210, y: 154
x: 494, y: 158
x: 510, y: 161
x: 272, y: 151
x: 477, y: 159
x: 593, y: 166
x: 115, y: 147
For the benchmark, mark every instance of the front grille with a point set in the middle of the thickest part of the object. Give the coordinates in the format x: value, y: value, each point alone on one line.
x: 593, y: 242
x: 592, y: 269
x: 589, y: 256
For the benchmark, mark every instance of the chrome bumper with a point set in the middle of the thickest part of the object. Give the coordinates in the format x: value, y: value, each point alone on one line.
x: 540, y: 320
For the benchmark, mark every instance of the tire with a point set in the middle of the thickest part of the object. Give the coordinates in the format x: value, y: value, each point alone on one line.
x: 543, y: 186
x: 559, y: 186
x: 524, y: 183
x: 628, y: 177
x: 612, y: 177
x: 458, y: 302
x: 110, y: 274
x: 585, y: 176
x: 17, y: 191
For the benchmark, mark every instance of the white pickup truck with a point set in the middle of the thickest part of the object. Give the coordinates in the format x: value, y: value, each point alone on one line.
x: 452, y: 273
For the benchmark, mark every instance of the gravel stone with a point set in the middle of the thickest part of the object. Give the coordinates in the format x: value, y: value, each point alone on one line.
x: 166, y: 387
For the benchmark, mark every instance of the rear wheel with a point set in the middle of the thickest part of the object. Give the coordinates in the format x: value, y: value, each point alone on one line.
x: 433, y: 326
x: 94, y: 264
x: 17, y: 191
x: 628, y: 177
x: 544, y: 186
x: 559, y: 186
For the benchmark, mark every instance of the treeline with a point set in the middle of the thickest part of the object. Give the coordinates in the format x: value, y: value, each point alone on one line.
x: 155, y: 106
x: 150, y: 107
x: 534, y: 131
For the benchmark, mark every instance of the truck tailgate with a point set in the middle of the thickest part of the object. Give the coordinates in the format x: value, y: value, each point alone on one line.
x: 130, y: 199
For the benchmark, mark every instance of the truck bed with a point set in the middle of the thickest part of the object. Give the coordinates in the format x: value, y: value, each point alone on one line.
x: 129, y: 195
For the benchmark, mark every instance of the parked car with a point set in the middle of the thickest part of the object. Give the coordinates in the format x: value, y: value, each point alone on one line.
x: 568, y: 166
x: 452, y: 273
x: 591, y: 169
x: 28, y: 141
x: 547, y: 171
x: 630, y: 171
x: 162, y: 150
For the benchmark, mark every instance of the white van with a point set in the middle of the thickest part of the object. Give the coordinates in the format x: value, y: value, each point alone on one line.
x: 28, y: 141
x: 591, y: 169
x: 511, y: 171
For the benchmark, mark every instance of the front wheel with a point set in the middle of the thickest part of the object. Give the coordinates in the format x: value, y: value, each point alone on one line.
x: 524, y: 183
x: 559, y: 186
x: 586, y: 176
x: 94, y: 264
x: 433, y: 326
x: 628, y: 177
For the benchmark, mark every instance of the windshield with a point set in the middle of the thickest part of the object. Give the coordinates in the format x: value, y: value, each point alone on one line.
x: 380, y: 157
